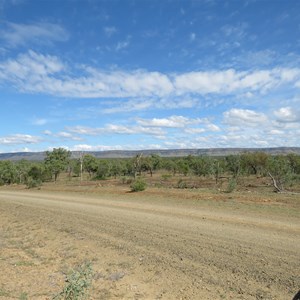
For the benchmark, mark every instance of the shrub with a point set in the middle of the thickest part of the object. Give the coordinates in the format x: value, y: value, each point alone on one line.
x: 166, y: 176
x: 78, y: 283
x: 138, y: 185
x: 126, y: 180
x: 33, y: 183
x: 231, y: 185
x: 181, y: 184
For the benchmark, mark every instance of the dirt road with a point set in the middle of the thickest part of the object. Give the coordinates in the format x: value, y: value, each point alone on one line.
x: 148, y: 249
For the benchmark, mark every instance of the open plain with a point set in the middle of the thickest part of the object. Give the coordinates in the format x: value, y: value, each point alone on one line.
x: 157, y: 244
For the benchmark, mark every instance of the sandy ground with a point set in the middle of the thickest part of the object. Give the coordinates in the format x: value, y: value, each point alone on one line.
x: 144, y: 247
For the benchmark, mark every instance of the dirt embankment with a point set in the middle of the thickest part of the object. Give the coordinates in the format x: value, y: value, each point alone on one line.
x: 145, y: 249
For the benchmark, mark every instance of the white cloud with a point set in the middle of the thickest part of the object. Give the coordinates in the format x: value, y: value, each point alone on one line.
x: 244, y: 117
x: 287, y: 114
x: 129, y: 106
x: 86, y: 147
x: 276, y: 131
x: 172, y: 122
x: 47, y: 132
x: 116, y: 129
x: 205, y: 82
x: 123, y: 44
x: 192, y: 36
x: 39, y: 122
x: 135, y: 104
x: 237, y: 32
x: 63, y: 135
x: 67, y: 136
x: 15, y: 34
x: 110, y: 31
x: 29, y: 69
x: 85, y: 130
x: 37, y: 73
x: 213, y: 127
x: 16, y: 139
x: 194, y: 130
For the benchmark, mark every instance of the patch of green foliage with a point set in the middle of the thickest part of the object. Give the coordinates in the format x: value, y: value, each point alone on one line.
x: 78, y: 283
x: 231, y: 185
x: 33, y: 183
x: 181, y: 184
x: 138, y: 185
x: 23, y: 296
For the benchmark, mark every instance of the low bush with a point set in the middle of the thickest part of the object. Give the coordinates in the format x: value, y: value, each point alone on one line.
x: 138, y: 185
x: 33, y: 183
x: 78, y: 283
x: 181, y: 184
x: 166, y: 176
x: 231, y: 185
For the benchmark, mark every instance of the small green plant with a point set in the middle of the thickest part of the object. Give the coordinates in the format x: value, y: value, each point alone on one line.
x: 4, y: 293
x: 23, y: 296
x: 166, y: 176
x: 33, y: 183
x: 231, y: 185
x: 181, y: 184
x: 126, y: 180
x: 138, y: 185
x: 78, y: 283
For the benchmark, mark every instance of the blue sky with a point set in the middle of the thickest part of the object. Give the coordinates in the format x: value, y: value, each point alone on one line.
x: 105, y: 75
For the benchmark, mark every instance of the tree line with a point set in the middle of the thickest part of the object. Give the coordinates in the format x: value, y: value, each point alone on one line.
x: 282, y: 170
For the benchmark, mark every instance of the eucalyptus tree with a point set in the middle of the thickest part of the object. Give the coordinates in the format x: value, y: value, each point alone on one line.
x: 280, y: 171
x: 8, y: 172
x: 22, y: 168
x: 90, y: 164
x: 57, y: 161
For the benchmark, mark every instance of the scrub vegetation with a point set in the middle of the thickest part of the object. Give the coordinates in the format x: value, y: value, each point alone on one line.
x: 228, y: 173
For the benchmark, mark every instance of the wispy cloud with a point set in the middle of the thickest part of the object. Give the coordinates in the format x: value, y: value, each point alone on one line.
x: 287, y: 115
x: 37, y: 73
x: 192, y: 36
x: 39, y: 122
x: 110, y: 31
x: 63, y: 135
x: 171, y: 122
x: 242, y: 117
x: 14, y: 34
x: 116, y: 129
x: 122, y: 45
x: 16, y: 139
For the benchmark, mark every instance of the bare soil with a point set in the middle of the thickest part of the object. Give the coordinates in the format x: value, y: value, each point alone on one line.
x: 158, y: 244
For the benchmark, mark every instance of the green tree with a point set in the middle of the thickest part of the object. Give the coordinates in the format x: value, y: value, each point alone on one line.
x: 36, y: 172
x: 233, y: 164
x: 279, y: 170
x: 103, y: 170
x: 147, y: 165
x: 8, y: 173
x: 156, y: 161
x: 294, y: 161
x: 137, y: 165
x: 22, y: 168
x: 90, y: 164
x: 170, y: 165
x: 217, y: 169
x: 201, y: 166
x: 116, y: 168
x: 57, y: 161
x: 254, y: 162
x: 183, y: 166
x: 75, y: 166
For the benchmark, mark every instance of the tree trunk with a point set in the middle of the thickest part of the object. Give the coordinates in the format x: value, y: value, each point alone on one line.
x: 279, y: 190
